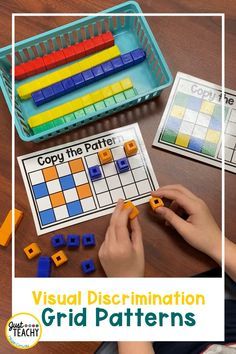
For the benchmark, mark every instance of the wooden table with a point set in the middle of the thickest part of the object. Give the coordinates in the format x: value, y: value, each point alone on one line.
x: 189, y: 44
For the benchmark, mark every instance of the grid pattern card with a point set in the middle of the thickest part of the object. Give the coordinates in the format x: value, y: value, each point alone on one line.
x: 59, y: 187
x: 192, y: 122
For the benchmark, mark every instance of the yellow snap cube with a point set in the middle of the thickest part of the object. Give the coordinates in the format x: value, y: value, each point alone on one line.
x: 24, y: 92
x: 86, y: 100
x: 96, y: 96
x: 126, y: 83
x: 116, y: 88
x: 106, y: 92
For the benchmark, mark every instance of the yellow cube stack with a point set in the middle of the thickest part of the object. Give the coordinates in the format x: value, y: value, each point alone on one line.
x: 25, y: 91
x: 80, y: 102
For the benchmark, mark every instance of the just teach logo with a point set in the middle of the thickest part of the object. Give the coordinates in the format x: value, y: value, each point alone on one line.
x: 23, y: 330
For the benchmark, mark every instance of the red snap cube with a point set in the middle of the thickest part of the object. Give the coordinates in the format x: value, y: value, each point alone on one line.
x: 39, y: 65
x: 108, y: 39
x: 79, y: 50
x: 88, y: 46
x: 59, y: 57
x: 29, y: 68
x: 69, y: 53
x: 49, y: 61
x: 98, y: 43
x: 19, y: 72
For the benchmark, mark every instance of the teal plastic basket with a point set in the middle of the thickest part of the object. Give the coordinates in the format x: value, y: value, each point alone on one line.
x: 130, y: 32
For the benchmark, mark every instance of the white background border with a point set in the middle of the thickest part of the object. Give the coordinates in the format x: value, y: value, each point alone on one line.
x: 222, y: 15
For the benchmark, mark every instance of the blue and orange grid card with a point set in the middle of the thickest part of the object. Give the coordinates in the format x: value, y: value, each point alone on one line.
x: 61, y: 191
x: 191, y: 124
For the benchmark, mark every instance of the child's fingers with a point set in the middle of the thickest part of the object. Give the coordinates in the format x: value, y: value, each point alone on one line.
x: 121, y: 227
x: 174, y: 207
x: 174, y: 220
x: 116, y: 212
x: 136, y: 234
x: 110, y: 236
x: 180, y: 188
x: 185, y: 202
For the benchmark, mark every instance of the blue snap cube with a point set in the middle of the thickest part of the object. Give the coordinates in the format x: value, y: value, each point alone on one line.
x: 73, y: 241
x: 58, y: 241
x: 95, y: 172
x: 127, y: 60
x: 117, y: 64
x: 138, y: 55
x: 98, y: 72
x: 58, y: 89
x: 38, y: 98
x: 88, y: 240
x: 78, y: 80
x: 88, y: 76
x: 48, y: 93
x: 108, y: 68
x: 68, y: 85
x: 122, y: 165
x: 44, y: 267
x: 88, y: 266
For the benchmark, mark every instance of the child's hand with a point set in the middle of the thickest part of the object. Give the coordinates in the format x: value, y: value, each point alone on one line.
x: 122, y: 254
x: 199, y: 229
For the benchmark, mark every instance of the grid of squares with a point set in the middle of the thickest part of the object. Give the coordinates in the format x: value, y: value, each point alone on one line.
x: 62, y: 191
x: 230, y: 139
x: 114, y: 185
x: 194, y: 124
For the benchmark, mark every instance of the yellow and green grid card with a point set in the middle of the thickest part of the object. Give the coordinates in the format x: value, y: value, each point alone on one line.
x: 192, y: 122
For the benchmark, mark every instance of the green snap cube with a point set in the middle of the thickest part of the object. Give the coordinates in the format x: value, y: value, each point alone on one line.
x: 119, y: 97
x: 89, y: 109
x: 80, y: 113
x: 38, y: 129
x: 99, y: 105
x: 129, y: 93
x: 59, y: 121
x: 69, y: 117
x: 48, y: 125
x: 109, y: 101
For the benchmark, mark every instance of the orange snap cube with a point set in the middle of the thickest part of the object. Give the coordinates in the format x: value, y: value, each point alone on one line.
x: 59, y: 258
x: 134, y: 213
x: 156, y: 202
x: 6, y: 230
x: 130, y: 147
x: 32, y: 250
x: 105, y: 156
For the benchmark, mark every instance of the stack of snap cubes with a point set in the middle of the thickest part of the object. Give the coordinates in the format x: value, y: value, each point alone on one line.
x: 83, y: 63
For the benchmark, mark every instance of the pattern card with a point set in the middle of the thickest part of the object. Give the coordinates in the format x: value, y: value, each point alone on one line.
x: 59, y: 187
x: 192, y: 122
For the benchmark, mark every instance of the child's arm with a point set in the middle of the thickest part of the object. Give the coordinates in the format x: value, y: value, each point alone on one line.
x: 121, y: 253
x: 135, y: 348
x: 199, y: 229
